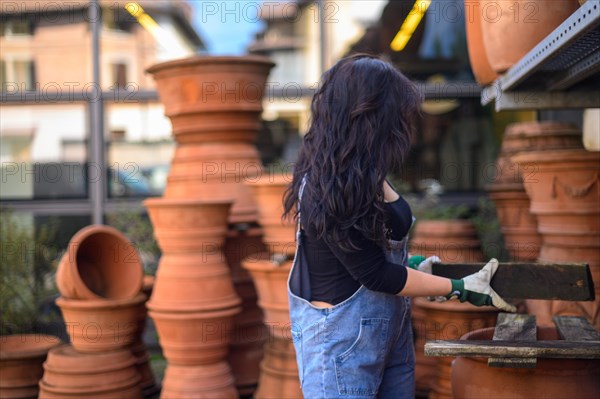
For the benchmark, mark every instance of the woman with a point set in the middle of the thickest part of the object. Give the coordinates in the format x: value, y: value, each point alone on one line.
x: 349, y: 287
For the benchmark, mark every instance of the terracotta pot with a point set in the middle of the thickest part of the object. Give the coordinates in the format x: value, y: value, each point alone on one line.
x: 100, y: 262
x: 484, y: 74
x: 517, y: 224
x: 21, y: 359
x: 198, y: 382
x: 249, y: 332
x: 511, y: 29
x: 279, y: 371
x: 67, y: 368
x: 451, y: 240
x: 191, y: 338
x: 278, y: 234
x: 551, y: 378
x: 214, y: 104
x: 101, y: 325
x: 270, y: 280
x: 425, y: 367
x: 565, y: 197
x: 445, y: 321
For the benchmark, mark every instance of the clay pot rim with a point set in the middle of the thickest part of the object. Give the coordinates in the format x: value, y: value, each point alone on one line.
x: 270, y: 180
x: 196, y: 306
x: 100, y: 304
x: 128, y: 361
x: 163, y: 202
x: 28, y: 352
x: 262, y: 262
x: 71, y: 261
x: 181, y: 311
x: 540, y: 129
x: 501, y: 188
x: 210, y: 60
x: 556, y: 156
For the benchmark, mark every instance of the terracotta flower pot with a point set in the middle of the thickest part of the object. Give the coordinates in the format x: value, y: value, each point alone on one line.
x: 214, y: 104
x: 449, y: 320
x: 270, y: 280
x: 451, y: 240
x: 511, y: 29
x: 484, y: 74
x: 100, y: 262
x: 101, y: 325
x: 551, y: 378
x: 191, y: 338
x: 565, y: 197
x: 21, y: 359
x: 279, y: 371
x: 68, y: 369
x: 278, y: 234
x: 198, y: 382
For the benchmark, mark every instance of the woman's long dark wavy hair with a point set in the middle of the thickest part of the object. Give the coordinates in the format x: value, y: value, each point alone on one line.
x: 363, y: 118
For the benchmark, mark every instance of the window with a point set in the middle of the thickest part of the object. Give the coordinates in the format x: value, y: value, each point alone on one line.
x: 119, y: 75
x: 17, y: 72
x: 16, y: 27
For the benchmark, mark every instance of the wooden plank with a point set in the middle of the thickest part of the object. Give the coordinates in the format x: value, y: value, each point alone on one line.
x: 567, y: 282
x: 557, y: 349
x: 514, y: 327
x: 576, y: 329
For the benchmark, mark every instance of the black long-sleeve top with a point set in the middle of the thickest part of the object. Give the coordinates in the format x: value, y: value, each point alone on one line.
x: 336, y: 274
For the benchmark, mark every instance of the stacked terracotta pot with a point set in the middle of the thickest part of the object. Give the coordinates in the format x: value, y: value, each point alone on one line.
x: 21, y: 359
x: 454, y: 241
x: 519, y: 226
x: 100, y: 280
x: 270, y: 270
x: 565, y: 198
x: 214, y: 104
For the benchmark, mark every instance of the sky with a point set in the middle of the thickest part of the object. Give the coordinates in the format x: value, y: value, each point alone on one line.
x: 227, y: 27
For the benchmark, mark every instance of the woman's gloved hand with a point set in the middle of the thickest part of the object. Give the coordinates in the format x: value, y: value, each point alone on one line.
x: 476, y: 289
x: 422, y: 264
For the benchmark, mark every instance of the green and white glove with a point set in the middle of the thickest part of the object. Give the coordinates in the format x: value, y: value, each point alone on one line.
x: 476, y: 289
x: 425, y: 266
x: 422, y: 264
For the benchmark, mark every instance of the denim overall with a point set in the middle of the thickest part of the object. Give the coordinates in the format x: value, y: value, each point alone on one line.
x: 359, y: 348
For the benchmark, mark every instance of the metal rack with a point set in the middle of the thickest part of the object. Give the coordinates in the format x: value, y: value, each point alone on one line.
x: 562, y: 71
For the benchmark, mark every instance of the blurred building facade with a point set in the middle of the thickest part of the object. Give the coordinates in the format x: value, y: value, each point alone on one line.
x: 47, y: 87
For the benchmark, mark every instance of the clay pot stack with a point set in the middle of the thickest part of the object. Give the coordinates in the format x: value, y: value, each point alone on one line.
x: 215, y: 104
x: 565, y: 198
x: 270, y: 270
x: 454, y: 241
x: 100, y: 280
x: 519, y: 226
x: 21, y: 359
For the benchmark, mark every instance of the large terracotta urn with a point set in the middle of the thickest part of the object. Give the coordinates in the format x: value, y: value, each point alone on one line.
x: 551, y: 378
x: 510, y: 29
x: 21, y: 359
x: 452, y: 240
x: 72, y: 374
x: 482, y: 70
x: 565, y: 198
x: 100, y: 263
x: 193, y: 302
x: 214, y: 104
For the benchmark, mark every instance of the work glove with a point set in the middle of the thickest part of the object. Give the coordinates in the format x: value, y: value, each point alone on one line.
x: 476, y: 289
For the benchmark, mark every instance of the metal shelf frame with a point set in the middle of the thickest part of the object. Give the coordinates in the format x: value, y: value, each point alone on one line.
x: 562, y: 71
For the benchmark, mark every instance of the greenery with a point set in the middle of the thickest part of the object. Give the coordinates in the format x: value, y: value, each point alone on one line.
x: 488, y: 229
x: 28, y: 259
x: 137, y: 227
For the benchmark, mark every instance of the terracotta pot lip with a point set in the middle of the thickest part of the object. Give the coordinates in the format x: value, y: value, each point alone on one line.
x: 210, y: 60
x: 181, y: 311
x: 76, y: 368
x: 267, y: 266
x: 175, y: 202
x: 533, y: 128
x: 556, y: 156
x: 505, y: 187
x: 41, y: 348
x: 100, y: 304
